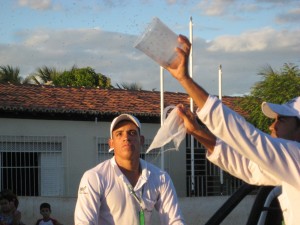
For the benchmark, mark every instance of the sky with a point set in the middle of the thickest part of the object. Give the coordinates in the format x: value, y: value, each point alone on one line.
x: 244, y: 36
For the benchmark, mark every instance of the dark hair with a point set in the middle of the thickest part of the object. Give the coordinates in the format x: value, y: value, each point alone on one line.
x: 10, y: 196
x: 45, y: 205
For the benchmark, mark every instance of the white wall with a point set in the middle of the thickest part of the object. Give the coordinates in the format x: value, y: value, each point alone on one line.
x: 196, y: 211
x: 81, y: 151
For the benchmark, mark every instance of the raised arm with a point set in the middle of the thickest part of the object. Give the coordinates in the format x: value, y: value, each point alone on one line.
x: 201, y: 134
x: 179, y: 70
x: 222, y: 155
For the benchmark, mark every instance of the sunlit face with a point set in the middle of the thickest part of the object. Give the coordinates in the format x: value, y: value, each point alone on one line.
x: 45, y: 212
x: 126, y: 140
x: 6, y: 205
x: 285, y: 127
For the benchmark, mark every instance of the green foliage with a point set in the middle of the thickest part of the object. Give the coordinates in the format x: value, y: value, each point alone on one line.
x: 104, y: 81
x: 43, y: 75
x: 130, y: 86
x: 75, y: 77
x: 10, y: 74
x: 276, y: 87
x: 78, y: 77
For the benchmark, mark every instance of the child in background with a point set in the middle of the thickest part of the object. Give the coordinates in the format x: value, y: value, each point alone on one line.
x: 9, y: 215
x: 45, y: 210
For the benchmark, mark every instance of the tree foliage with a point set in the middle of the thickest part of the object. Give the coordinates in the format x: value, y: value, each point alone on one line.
x: 276, y: 87
x: 78, y: 77
x: 129, y: 86
x: 75, y: 77
x: 10, y: 74
x: 43, y: 75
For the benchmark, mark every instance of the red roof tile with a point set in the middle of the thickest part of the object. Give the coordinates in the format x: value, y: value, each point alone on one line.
x: 93, y: 102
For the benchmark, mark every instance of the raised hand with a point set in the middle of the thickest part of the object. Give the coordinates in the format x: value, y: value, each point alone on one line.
x: 179, y: 66
x: 189, y: 119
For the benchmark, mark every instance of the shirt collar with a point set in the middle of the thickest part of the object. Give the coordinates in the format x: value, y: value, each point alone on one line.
x: 142, y: 179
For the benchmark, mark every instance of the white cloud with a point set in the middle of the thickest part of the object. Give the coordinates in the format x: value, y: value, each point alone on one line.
x: 291, y: 16
x: 113, y: 54
x: 215, y: 7
x: 36, y: 4
x: 258, y: 40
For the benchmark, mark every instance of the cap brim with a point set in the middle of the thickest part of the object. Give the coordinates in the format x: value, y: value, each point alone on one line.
x: 267, y: 110
x: 273, y: 110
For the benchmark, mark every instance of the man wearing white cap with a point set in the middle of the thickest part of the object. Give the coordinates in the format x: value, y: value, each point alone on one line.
x: 125, y: 189
x: 241, y: 149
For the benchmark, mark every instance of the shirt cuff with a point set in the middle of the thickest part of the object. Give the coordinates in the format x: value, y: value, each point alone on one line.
x: 202, y: 113
x: 216, y: 152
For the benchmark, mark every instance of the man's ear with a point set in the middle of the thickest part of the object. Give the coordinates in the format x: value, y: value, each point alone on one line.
x: 142, y: 139
x: 110, y: 143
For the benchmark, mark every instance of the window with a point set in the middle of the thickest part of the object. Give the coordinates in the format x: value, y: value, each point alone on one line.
x: 102, y: 147
x: 206, y: 175
x: 32, y: 165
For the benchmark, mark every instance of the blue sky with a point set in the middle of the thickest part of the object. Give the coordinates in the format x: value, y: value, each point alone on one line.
x: 242, y: 35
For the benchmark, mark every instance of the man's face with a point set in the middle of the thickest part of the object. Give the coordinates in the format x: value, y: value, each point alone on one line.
x: 126, y: 140
x: 285, y: 127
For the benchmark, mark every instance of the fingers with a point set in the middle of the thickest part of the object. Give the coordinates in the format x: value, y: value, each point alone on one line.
x: 180, y: 110
x: 183, y: 39
x: 185, y: 44
x: 177, y: 66
x: 185, y: 112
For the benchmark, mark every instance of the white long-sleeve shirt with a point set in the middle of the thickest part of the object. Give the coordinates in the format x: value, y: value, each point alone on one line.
x: 254, y: 156
x: 104, y: 197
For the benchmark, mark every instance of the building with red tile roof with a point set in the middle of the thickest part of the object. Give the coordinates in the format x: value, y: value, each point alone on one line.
x: 50, y: 135
x: 69, y: 103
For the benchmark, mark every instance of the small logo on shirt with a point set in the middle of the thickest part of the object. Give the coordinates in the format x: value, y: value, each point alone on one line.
x: 82, y: 190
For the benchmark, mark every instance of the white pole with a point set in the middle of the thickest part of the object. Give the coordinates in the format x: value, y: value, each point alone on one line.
x: 220, y: 82
x: 220, y: 97
x: 192, y: 109
x: 162, y: 158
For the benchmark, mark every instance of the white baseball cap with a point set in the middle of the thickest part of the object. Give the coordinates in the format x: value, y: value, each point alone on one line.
x: 291, y: 108
x: 120, y: 118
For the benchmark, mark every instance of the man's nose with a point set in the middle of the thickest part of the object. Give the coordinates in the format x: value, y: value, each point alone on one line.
x: 126, y: 136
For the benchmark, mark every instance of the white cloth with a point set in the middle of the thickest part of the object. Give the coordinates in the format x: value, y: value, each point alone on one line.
x: 104, y: 197
x: 173, y: 129
x: 254, y: 156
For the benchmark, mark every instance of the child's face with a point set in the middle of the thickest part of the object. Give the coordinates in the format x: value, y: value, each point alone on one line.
x: 45, y: 212
x: 5, y: 205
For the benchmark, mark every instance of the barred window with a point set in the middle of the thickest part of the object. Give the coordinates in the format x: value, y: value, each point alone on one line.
x: 206, y: 179
x: 102, y: 148
x: 32, y: 165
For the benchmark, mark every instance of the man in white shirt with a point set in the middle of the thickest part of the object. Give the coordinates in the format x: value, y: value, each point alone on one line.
x: 241, y: 149
x: 125, y: 189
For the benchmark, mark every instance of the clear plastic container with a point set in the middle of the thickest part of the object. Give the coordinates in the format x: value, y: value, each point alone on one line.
x: 158, y: 42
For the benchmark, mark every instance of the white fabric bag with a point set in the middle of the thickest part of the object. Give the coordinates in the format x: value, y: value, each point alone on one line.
x: 172, y: 129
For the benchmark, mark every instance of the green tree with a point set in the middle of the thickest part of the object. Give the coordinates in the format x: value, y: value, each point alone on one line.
x: 10, y: 74
x: 129, y: 86
x: 43, y: 75
x: 276, y: 87
x: 78, y: 77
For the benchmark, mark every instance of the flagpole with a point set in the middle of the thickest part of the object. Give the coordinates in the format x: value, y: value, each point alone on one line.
x: 220, y: 97
x: 192, y: 109
x: 162, y: 157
